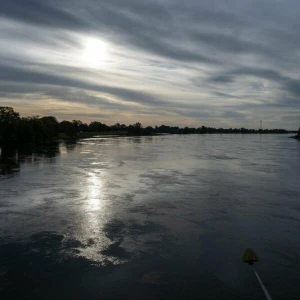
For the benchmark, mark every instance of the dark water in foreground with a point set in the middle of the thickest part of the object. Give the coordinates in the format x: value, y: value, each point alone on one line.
x: 151, y: 218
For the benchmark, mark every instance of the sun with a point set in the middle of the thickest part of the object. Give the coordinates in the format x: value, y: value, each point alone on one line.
x: 95, y: 52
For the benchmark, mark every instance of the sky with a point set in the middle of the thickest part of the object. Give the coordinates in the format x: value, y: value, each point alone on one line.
x: 223, y: 63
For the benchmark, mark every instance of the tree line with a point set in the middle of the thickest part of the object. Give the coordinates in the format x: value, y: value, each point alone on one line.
x: 35, y: 129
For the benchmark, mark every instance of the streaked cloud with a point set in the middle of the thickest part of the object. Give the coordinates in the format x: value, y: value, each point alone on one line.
x: 192, y: 63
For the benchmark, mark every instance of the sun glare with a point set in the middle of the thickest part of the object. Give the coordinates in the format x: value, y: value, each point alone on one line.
x: 95, y: 52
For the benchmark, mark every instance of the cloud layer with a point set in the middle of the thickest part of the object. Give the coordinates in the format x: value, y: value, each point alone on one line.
x: 215, y: 63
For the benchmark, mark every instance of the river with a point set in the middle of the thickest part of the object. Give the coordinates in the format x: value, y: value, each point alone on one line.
x: 151, y: 217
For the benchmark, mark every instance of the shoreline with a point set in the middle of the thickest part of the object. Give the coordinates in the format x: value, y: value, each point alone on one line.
x: 296, y: 137
x: 88, y: 135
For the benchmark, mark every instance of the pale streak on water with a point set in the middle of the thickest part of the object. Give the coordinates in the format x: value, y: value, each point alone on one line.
x: 180, y: 208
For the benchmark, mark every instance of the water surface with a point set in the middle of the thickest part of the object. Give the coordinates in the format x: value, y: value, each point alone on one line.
x: 152, y: 217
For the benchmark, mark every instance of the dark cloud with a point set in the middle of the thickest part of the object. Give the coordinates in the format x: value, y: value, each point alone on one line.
x: 229, y: 76
x: 234, y: 114
x: 258, y: 72
x: 291, y: 117
x: 79, y: 115
x: 290, y: 85
x: 221, y: 79
x: 225, y: 95
x: 199, y: 114
x: 229, y: 43
x: 285, y: 103
x: 40, y: 13
x: 29, y: 76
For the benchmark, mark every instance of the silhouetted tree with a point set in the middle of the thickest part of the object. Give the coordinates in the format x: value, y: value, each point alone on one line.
x: 116, y: 127
x: 148, y: 130
x: 83, y: 127
x: 25, y: 131
x: 77, y: 124
x: 50, y: 127
x: 68, y: 128
x: 38, y: 130
x: 28, y: 129
x: 96, y: 126
x: 136, y: 128
x: 8, y: 124
x: 8, y: 115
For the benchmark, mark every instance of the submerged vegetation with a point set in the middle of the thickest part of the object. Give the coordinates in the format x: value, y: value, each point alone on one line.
x: 35, y: 129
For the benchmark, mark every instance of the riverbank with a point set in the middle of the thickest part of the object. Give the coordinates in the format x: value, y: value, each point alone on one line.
x: 86, y: 135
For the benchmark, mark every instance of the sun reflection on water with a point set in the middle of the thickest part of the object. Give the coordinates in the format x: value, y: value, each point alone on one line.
x: 94, y: 186
x: 93, y: 212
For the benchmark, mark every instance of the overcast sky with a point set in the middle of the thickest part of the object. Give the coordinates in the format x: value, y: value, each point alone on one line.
x: 224, y: 63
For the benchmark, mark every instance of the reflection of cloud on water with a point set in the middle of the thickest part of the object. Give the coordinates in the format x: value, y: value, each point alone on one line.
x: 48, y: 264
x: 131, y: 239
